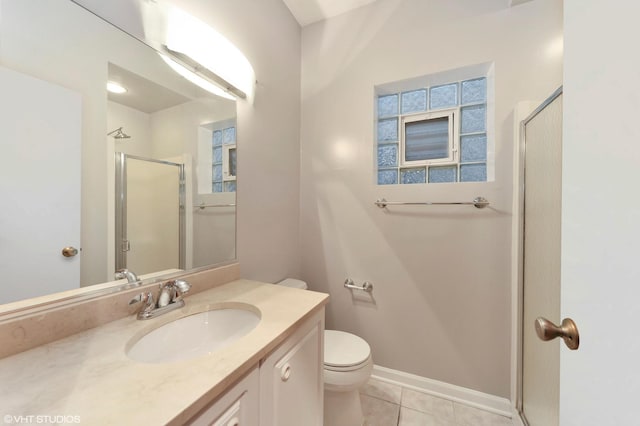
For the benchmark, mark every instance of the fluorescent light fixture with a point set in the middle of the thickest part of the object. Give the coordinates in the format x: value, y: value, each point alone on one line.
x: 201, y: 44
x: 196, y: 79
x: 114, y: 87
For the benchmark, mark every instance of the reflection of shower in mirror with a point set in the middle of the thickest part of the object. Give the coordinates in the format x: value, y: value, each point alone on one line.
x: 119, y: 134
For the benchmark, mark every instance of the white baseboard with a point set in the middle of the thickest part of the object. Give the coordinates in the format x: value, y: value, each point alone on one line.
x: 483, y: 401
x: 516, y: 420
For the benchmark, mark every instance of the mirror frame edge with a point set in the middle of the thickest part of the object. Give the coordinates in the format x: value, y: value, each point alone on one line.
x: 25, y: 307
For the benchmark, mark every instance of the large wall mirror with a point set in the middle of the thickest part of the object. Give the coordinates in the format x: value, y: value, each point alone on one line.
x: 93, y: 180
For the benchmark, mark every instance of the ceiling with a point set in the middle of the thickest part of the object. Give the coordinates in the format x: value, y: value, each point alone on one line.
x: 142, y: 94
x: 310, y: 11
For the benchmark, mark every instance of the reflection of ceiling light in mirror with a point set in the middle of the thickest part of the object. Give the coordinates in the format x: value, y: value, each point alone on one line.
x: 192, y: 37
x: 196, y: 79
x: 114, y: 87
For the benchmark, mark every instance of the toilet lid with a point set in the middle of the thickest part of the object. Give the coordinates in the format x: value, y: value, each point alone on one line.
x: 343, y: 349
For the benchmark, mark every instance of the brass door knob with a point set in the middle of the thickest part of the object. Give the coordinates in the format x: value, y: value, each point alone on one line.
x: 69, y: 251
x: 546, y: 330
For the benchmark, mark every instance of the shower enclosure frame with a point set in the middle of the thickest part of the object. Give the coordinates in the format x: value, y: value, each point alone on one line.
x: 121, y: 240
x: 520, y: 325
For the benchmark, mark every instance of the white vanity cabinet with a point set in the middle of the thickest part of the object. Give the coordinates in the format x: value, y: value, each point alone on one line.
x: 239, y: 406
x: 286, y: 389
x: 291, y: 378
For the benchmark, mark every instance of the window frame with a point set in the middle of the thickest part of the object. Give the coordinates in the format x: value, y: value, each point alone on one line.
x: 226, y: 163
x: 454, y: 134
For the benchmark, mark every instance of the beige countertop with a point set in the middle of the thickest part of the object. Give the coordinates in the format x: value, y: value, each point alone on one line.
x: 89, y: 376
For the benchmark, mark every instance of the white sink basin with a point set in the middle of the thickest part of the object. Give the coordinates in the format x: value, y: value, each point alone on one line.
x: 193, y: 336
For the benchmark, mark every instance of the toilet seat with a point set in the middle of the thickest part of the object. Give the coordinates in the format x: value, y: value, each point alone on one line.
x: 349, y: 368
x: 345, y: 351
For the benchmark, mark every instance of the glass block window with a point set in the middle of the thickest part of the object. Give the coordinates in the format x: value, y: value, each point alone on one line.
x: 443, y: 174
x: 434, y: 134
x: 388, y: 155
x: 474, y: 91
x: 229, y: 136
x: 224, y: 158
x: 417, y: 175
x: 444, y: 96
x: 473, y: 172
x: 388, y: 106
x: 387, y: 176
x: 473, y: 148
x: 473, y: 119
x: 414, y: 101
x: 388, y: 130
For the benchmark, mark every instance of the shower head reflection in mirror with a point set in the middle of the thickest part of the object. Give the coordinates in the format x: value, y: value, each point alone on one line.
x: 119, y: 134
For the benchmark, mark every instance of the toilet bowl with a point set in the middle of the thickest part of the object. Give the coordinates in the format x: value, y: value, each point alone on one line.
x: 347, y: 366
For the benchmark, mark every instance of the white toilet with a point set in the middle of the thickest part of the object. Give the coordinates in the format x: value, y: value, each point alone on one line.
x: 347, y: 366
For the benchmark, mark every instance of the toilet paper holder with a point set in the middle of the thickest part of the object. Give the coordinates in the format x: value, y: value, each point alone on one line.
x: 366, y: 286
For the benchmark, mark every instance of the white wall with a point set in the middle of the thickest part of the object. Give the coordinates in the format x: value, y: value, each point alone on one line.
x: 136, y: 124
x: 268, y: 132
x: 600, y: 213
x: 441, y: 303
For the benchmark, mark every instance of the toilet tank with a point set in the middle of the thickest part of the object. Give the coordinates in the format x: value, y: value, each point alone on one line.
x: 294, y: 283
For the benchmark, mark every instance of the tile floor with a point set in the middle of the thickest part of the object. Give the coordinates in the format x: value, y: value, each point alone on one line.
x: 385, y: 404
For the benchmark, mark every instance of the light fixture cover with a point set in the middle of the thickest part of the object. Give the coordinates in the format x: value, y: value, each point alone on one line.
x: 196, y: 79
x: 192, y: 37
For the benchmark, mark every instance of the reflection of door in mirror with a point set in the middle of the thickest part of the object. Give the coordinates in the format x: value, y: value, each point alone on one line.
x: 40, y: 186
x: 150, y: 234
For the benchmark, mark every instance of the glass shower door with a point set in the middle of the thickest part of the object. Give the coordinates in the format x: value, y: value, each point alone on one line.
x: 540, y: 391
x: 149, y: 214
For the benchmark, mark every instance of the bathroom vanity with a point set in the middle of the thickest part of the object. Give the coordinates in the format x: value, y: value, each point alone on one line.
x: 271, y: 376
x: 286, y: 387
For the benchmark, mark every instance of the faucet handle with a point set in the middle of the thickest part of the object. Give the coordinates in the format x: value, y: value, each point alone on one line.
x: 146, y: 298
x: 180, y: 286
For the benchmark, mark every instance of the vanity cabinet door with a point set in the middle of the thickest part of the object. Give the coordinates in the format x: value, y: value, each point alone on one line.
x: 291, y: 379
x: 239, y: 406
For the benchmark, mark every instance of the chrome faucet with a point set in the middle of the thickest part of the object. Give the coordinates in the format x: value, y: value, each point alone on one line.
x: 170, y: 297
x: 125, y: 273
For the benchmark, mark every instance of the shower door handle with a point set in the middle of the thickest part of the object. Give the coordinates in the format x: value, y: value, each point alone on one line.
x: 546, y: 330
x: 69, y: 251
